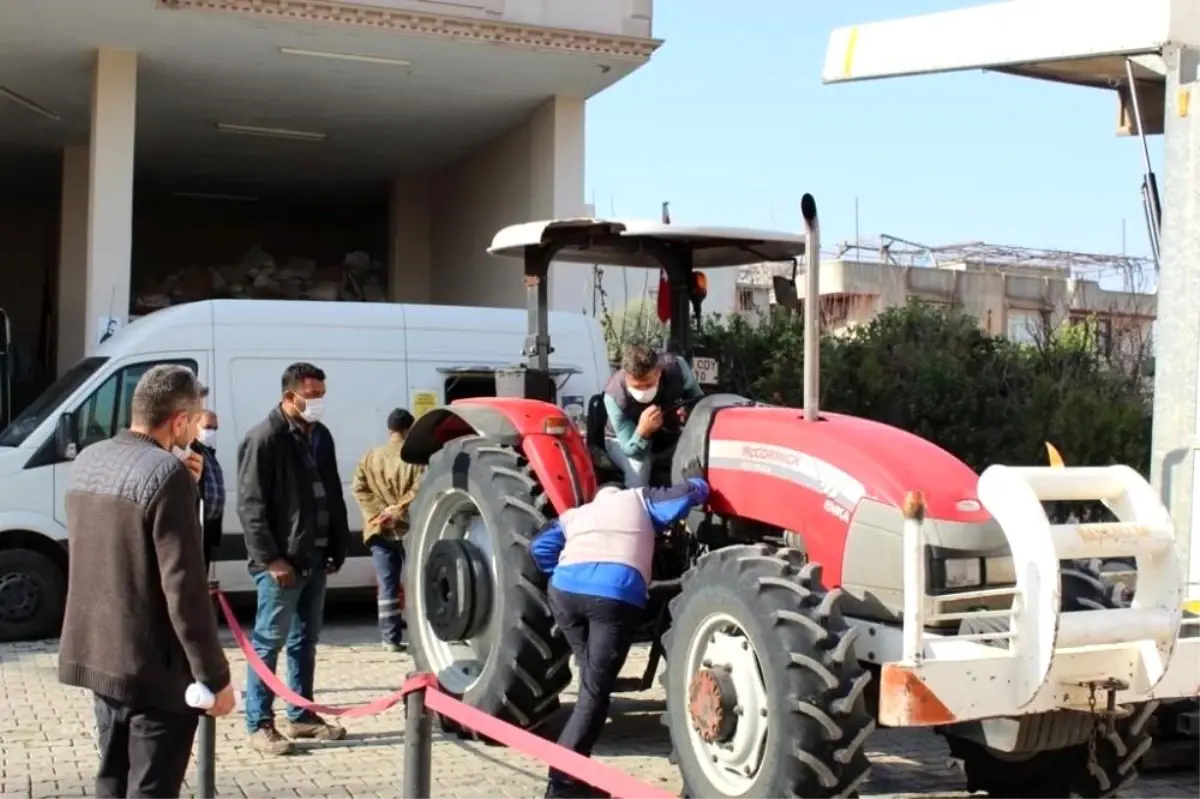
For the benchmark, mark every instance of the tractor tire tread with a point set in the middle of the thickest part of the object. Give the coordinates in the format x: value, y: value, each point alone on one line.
x: 826, y: 724
x: 529, y: 673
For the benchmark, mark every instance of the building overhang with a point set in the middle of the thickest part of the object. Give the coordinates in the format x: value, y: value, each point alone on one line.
x: 1085, y: 42
x: 405, y: 21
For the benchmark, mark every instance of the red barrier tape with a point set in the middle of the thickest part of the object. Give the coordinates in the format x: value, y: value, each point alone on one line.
x: 616, y: 783
x: 280, y: 688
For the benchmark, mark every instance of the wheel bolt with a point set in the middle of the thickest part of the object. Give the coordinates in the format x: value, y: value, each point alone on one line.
x: 745, y: 644
x: 763, y: 712
x: 706, y: 664
x: 714, y: 758
x: 747, y: 771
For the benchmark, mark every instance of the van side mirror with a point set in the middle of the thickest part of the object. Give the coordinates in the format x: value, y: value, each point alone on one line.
x: 65, y: 444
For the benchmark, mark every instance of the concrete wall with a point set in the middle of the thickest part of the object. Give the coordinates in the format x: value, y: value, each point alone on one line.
x: 619, y: 17
x: 534, y: 171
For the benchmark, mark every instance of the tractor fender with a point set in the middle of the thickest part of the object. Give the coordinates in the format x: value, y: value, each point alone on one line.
x: 560, y: 461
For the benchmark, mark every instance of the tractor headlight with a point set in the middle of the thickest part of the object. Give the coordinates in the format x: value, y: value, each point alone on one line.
x: 962, y: 573
x: 949, y: 572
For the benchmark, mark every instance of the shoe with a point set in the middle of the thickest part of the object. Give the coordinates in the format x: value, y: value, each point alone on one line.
x: 398, y: 648
x: 313, y: 727
x: 573, y: 790
x: 266, y: 739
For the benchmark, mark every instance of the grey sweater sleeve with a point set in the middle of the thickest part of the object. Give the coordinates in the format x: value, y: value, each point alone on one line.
x: 175, y: 530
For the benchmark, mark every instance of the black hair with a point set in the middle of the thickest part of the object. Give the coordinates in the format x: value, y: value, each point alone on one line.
x: 638, y: 361
x: 400, y: 421
x: 297, y: 373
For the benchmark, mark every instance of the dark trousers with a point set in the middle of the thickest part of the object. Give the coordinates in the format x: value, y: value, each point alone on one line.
x: 143, y: 752
x: 600, y: 632
x: 388, y: 556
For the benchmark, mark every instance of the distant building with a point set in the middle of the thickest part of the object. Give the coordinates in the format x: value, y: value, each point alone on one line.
x: 1020, y: 293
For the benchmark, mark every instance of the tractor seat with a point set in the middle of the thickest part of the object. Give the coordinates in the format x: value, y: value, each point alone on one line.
x: 597, y: 421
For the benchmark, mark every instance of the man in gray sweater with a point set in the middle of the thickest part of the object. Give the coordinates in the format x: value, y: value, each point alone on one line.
x: 139, y: 626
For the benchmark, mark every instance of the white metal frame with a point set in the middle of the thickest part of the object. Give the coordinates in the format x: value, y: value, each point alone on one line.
x: 1053, y: 659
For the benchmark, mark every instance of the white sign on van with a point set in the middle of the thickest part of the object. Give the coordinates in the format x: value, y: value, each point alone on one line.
x: 705, y: 370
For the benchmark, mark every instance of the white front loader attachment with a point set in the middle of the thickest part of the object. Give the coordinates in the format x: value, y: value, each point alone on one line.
x: 1053, y: 659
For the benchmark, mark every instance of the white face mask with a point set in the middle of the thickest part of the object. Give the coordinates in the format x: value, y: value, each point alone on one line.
x: 642, y: 394
x: 207, y: 436
x: 314, y: 409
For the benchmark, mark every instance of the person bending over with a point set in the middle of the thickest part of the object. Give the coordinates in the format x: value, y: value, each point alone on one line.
x: 599, y: 558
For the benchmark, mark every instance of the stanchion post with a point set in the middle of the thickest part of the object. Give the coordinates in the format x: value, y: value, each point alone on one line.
x: 206, y: 735
x: 418, y: 746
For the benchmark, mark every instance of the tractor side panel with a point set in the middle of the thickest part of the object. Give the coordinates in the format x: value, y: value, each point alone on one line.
x: 755, y: 475
x: 560, y: 460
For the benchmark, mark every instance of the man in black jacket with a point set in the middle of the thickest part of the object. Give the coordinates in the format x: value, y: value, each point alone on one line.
x: 293, y: 517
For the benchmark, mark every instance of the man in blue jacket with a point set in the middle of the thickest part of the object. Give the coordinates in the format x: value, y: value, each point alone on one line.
x: 599, y: 557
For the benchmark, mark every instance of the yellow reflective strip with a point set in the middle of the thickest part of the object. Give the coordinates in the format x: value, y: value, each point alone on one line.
x: 848, y: 61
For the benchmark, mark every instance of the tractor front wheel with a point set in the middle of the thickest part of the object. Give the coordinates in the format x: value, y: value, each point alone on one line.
x: 764, y: 693
x: 478, y: 616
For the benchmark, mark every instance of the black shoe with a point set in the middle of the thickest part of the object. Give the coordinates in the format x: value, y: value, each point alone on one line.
x: 573, y: 790
x: 397, y: 647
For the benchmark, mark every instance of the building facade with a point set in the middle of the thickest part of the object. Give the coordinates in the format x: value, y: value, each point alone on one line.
x: 162, y: 151
x: 1020, y: 293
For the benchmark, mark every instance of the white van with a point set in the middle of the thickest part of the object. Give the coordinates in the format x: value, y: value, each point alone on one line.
x: 377, y: 357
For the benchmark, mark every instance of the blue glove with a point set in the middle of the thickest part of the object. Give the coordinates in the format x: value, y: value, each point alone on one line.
x: 699, y: 490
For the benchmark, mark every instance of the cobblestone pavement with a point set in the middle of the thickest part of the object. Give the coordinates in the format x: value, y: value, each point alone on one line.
x: 48, y: 750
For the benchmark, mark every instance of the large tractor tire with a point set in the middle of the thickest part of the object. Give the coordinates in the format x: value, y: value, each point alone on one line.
x: 477, y: 611
x: 764, y: 693
x: 1076, y: 769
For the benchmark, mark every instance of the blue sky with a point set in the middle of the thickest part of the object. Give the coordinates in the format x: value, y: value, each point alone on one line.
x: 730, y: 122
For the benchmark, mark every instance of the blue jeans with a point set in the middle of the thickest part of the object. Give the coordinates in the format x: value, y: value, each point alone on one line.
x: 388, y: 557
x: 290, y: 617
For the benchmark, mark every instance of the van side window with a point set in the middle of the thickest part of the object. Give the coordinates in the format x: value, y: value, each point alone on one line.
x: 109, y: 409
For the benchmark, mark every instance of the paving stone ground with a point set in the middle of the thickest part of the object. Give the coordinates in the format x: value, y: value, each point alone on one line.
x: 48, y: 748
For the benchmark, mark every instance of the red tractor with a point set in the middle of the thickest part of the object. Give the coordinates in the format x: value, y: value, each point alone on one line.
x: 844, y: 573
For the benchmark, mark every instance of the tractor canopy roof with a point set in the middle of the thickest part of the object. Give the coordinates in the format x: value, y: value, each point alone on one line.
x: 633, y: 242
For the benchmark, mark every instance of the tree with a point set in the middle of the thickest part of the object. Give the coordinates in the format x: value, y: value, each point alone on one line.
x: 932, y: 371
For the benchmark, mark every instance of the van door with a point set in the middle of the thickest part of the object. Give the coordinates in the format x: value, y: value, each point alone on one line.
x: 108, y: 409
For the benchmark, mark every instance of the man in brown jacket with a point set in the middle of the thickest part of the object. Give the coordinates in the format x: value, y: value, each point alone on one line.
x: 139, y: 626
x: 384, y: 487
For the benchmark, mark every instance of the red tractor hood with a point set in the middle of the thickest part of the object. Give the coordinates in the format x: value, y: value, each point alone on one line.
x: 884, y: 461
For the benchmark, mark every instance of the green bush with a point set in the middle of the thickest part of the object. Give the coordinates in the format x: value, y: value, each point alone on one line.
x: 935, y: 373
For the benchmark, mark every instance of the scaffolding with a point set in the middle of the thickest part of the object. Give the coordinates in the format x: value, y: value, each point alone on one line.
x: 1057, y: 263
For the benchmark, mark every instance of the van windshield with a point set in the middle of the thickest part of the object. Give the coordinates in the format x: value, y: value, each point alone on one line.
x: 15, y: 434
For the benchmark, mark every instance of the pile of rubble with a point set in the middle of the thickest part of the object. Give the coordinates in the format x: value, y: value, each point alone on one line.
x: 257, y: 276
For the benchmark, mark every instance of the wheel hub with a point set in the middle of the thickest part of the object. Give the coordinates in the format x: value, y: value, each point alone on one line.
x: 20, y: 595
x: 712, y: 705
x: 458, y: 590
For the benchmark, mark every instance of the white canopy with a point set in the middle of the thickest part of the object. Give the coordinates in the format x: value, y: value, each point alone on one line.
x: 611, y: 242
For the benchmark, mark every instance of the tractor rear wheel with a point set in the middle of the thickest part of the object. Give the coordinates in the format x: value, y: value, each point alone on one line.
x: 1072, y: 770
x: 478, y: 616
x: 764, y: 692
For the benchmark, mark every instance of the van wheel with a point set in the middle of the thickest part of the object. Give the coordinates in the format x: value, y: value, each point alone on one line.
x: 33, y: 593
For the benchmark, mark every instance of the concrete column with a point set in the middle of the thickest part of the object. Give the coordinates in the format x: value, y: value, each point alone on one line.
x: 110, y: 190
x: 1177, y: 356
x: 72, y: 257
x: 410, y: 240
x: 556, y: 188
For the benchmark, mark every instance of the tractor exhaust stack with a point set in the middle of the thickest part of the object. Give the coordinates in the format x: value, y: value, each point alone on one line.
x: 812, y: 308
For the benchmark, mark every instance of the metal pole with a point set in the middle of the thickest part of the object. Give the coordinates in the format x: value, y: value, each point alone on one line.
x: 206, y: 737
x: 418, y: 743
x: 812, y: 308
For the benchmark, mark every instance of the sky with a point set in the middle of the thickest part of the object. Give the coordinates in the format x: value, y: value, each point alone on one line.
x: 729, y: 121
